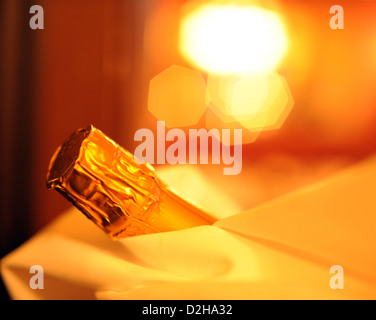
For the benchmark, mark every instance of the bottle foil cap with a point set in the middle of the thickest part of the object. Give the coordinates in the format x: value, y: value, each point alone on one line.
x: 105, y: 182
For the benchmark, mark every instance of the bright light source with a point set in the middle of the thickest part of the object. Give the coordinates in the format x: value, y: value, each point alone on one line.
x: 233, y: 39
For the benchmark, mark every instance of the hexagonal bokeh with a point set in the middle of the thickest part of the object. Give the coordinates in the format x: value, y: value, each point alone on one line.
x: 214, y: 120
x: 257, y: 103
x: 178, y: 96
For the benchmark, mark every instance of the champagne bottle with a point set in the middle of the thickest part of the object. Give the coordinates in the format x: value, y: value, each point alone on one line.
x: 122, y: 197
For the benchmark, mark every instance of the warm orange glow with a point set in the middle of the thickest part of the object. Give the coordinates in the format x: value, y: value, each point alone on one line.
x: 257, y: 103
x: 215, y: 120
x: 178, y: 96
x: 233, y: 39
x: 247, y: 96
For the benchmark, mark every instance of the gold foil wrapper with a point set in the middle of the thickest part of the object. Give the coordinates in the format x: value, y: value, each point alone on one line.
x: 122, y: 197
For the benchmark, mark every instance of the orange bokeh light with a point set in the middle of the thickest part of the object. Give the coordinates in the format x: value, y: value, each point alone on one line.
x: 178, y: 96
x: 215, y: 120
x: 257, y: 103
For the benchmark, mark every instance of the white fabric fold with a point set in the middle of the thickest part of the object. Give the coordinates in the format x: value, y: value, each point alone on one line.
x: 281, y: 250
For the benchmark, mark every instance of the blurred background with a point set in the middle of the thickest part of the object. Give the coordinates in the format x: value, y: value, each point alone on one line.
x: 307, y: 111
